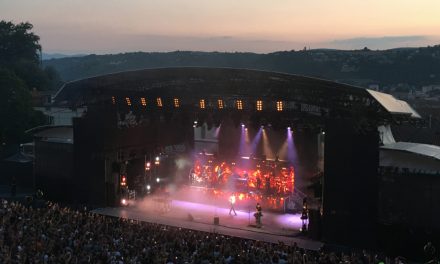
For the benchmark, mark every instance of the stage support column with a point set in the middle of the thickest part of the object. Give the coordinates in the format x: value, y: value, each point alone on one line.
x: 350, y: 183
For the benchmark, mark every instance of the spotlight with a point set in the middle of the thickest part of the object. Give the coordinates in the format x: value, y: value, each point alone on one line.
x: 259, y: 105
x: 159, y: 102
x: 202, y: 103
x: 220, y: 103
x: 128, y: 101
x: 280, y: 106
x: 242, y: 125
x: 157, y: 180
x: 176, y: 103
x: 124, y: 202
x: 148, y: 187
x: 288, y: 128
x: 123, y: 180
x: 239, y: 104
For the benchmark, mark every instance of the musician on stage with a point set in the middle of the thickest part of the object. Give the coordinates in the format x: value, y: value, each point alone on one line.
x: 232, y: 201
x: 258, y: 182
x: 258, y: 214
x: 304, y: 215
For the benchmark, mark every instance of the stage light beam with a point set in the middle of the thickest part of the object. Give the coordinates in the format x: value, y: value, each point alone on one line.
x: 292, y: 154
x: 267, y: 150
x: 256, y: 141
x: 242, y: 146
x: 217, y: 131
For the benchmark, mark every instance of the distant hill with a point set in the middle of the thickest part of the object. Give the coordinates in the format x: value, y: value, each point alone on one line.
x: 49, y: 56
x: 403, y: 67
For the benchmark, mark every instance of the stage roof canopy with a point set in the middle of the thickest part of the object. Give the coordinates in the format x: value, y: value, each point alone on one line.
x: 192, y: 84
x: 393, y: 105
x: 56, y: 134
x: 415, y: 148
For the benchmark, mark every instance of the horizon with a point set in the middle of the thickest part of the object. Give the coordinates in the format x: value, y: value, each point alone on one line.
x: 54, y: 55
x: 71, y: 28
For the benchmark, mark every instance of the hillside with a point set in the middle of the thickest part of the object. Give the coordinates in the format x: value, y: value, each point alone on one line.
x: 404, y: 68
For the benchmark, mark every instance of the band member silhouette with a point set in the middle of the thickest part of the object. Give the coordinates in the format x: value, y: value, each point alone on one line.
x: 232, y: 201
x: 304, y: 215
x: 258, y: 214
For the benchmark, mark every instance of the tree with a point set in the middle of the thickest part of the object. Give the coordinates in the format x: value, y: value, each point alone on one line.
x: 16, y: 113
x: 20, y: 53
x: 20, y: 72
x: 18, y: 44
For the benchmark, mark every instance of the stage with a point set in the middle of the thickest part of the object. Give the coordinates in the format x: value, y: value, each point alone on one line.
x: 197, y: 216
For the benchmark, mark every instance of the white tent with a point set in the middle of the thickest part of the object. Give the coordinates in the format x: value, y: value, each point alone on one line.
x: 413, y: 156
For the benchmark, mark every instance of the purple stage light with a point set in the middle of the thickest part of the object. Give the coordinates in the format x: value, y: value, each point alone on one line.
x: 256, y: 140
x: 292, y: 155
x: 242, y: 146
x: 217, y: 131
x: 267, y: 149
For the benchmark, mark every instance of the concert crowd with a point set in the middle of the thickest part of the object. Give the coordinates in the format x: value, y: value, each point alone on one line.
x: 55, y: 234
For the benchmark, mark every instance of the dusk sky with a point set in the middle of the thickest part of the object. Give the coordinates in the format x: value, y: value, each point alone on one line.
x: 113, y: 26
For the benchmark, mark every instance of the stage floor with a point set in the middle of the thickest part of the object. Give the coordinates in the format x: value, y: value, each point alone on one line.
x: 197, y: 216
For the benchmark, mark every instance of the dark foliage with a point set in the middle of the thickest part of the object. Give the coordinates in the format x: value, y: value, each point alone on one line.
x: 20, y: 72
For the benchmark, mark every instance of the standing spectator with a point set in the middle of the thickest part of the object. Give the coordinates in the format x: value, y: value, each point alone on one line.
x: 429, y: 251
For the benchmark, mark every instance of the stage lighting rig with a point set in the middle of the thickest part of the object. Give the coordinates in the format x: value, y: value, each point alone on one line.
x: 280, y: 106
x: 128, y: 101
x: 148, y: 166
x: 239, y: 104
x: 143, y: 101
x: 259, y: 105
x: 202, y: 104
x: 176, y: 103
x: 220, y: 104
x: 159, y: 102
